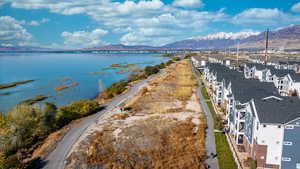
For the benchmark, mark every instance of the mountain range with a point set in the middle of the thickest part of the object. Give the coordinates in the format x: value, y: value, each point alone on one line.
x: 283, y: 38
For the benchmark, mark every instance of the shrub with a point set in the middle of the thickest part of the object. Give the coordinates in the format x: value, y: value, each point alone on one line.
x: 75, y: 110
x: 188, y: 55
x: 25, y: 125
x: 136, y: 76
x: 161, y: 66
x: 115, y: 89
x: 176, y: 59
x: 169, y: 62
x: 149, y: 70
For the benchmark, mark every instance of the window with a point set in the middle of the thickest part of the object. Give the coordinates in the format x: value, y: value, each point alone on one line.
x: 287, y: 143
x: 279, y: 126
x: 286, y: 159
x: 265, y: 125
x: 262, y: 157
x: 289, y: 127
x: 277, y: 142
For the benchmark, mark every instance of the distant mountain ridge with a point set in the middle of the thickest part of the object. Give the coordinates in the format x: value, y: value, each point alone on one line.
x: 125, y: 47
x: 284, y: 38
x: 224, y: 35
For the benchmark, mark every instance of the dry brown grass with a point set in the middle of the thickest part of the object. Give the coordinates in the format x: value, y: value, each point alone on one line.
x: 162, y: 130
x: 164, y: 93
x: 153, y: 143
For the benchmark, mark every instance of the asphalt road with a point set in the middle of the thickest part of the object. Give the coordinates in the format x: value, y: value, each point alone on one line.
x: 56, y: 159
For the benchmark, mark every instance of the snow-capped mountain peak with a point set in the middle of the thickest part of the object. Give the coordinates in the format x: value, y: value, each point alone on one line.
x: 226, y: 35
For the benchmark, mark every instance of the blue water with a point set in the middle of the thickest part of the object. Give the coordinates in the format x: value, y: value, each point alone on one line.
x: 48, y: 71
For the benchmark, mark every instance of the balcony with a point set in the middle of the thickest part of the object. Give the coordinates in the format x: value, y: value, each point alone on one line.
x: 241, y: 127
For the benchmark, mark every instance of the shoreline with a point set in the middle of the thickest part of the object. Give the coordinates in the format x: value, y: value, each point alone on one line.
x: 124, y: 117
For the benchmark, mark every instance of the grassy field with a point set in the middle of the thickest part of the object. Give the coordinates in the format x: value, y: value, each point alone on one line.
x: 225, y: 157
x: 204, y: 93
x: 224, y: 154
x: 217, y: 123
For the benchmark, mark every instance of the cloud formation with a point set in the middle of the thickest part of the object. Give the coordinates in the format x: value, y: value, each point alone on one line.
x: 188, y: 3
x: 83, y: 38
x: 296, y: 7
x: 12, y: 32
x: 262, y: 16
x: 151, y: 22
x: 134, y: 20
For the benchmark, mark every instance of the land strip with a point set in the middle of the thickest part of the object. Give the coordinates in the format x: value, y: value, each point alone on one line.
x: 56, y: 159
x: 161, y: 126
x: 13, y: 84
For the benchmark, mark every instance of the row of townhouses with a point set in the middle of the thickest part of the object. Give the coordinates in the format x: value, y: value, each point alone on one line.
x: 286, y: 81
x: 265, y: 123
x: 289, y: 63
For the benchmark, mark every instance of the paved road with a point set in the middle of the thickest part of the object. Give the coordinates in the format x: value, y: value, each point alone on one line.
x: 210, y: 137
x: 56, y: 159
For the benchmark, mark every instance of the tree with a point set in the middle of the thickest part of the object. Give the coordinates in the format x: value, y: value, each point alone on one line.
x: 25, y: 124
x: 48, y: 121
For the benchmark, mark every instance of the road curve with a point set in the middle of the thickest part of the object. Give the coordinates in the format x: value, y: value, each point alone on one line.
x: 56, y: 159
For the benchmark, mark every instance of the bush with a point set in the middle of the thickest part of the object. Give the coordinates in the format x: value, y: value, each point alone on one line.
x: 75, y: 110
x: 169, y: 63
x: 136, y: 76
x: 176, y: 59
x: 188, y: 55
x: 149, y: 70
x: 115, y: 89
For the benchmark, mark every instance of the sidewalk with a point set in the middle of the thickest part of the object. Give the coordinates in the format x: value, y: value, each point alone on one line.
x: 210, y: 136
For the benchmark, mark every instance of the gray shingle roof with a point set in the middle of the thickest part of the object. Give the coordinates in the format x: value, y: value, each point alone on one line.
x: 277, y: 111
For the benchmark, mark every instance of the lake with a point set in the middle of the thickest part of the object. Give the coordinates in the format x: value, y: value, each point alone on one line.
x: 87, y: 71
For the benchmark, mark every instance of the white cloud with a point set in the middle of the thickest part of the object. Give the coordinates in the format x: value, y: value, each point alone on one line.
x: 12, y: 32
x: 188, y: 3
x: 132, y: 18
x: 83, y: 38
x: 262, y: 16
x: 296, y: 7
x: 35, y: 23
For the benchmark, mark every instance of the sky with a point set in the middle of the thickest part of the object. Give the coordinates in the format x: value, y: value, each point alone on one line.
x: 89, y: 23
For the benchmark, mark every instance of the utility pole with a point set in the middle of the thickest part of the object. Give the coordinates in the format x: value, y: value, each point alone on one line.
x: 237, y: 52
x: 267, y: 45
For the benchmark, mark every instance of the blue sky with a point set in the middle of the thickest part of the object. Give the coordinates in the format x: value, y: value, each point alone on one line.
x: 87, y: 23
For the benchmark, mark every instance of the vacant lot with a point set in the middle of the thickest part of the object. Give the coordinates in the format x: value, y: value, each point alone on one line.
x: 161, y: 127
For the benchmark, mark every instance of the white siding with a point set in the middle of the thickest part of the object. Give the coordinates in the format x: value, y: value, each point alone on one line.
x: 272, y: 136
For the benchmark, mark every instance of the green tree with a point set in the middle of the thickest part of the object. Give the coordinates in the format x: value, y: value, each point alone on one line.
x: 25, y: 124
x: 48, y: 120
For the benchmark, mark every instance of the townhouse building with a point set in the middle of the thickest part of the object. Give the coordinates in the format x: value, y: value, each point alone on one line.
x: 258, y: 117
x: 285, y: 80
